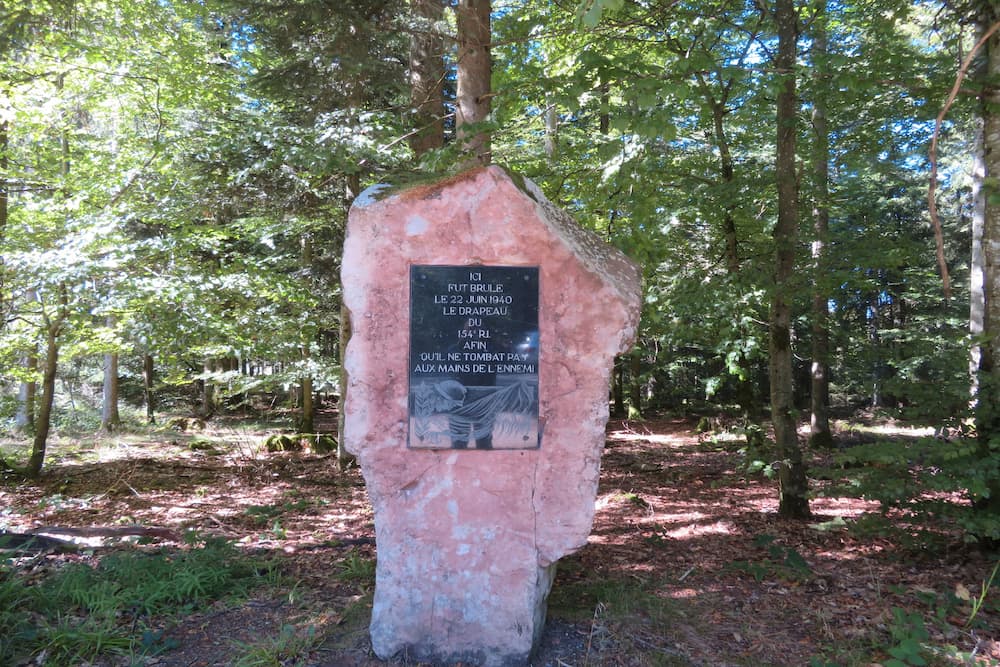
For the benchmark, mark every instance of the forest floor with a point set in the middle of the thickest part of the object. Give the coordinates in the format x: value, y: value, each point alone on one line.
x: 688, y: 562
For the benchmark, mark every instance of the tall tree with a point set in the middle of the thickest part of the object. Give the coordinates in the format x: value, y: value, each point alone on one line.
x: 5, y: 300
x: 718, y: 101
x: 985, y: 312
x: 793, y: 484
x: 54, y: 323
x: 427, y: 75
x: 820, y: 391
x: 110, y: 416
x: 472, y: 106
x: 307, y: 419
x: 148, y: 391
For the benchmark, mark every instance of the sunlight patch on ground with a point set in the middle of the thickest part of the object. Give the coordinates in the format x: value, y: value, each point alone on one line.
x: 613, y: 498
x: 683, y: 593
x: 671, y: 439
x: 888, y: 429
x: 641, y: 571
x: 726, y: 437
x: 675, y: 517
x: 700, y: 530
x: 107, y: 452
x: 763, y: 502
x: 688, y: 524
x: 10, y: 517
x: 846, y: 508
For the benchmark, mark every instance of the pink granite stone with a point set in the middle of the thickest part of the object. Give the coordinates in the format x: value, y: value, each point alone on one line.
x: 468, y: 539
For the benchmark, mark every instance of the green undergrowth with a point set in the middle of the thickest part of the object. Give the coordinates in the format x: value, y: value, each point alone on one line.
x: 925, y: 627
x: 934, y: 481
x: 81, y: 611
x: 359, y: 570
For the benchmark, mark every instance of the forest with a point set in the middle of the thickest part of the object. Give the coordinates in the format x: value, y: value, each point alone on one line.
x: 807, y: 185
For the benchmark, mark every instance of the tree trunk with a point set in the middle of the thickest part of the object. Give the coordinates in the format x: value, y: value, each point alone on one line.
x: 820, y: 435
x: 24, y: 419
x: 618, y: 387
x: 427, y: 77
x: 306, y: 421
x: 209, y: 399
x: 472, y: 103
x: 6, y: 300
x: 634, y: 385
x: 148, y: 380
x: 792, y: 481
x: 4, y: 166
x: 977, y: 268
x: 53, y: 327
x: 344, y: 458
x: 110, y: 418
x: 986, y: 259
x: 604, y: 120
x: 727, y: 170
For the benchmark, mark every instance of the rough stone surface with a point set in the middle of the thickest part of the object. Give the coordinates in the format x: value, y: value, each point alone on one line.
x: 468, y: 539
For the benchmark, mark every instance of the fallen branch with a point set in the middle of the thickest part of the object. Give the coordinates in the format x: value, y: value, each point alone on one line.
x: 336, y: 542
x: 108, y: 531
x: 23, y: 542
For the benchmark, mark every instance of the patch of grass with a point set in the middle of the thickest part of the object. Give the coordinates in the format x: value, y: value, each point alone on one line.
x: 288, y: 647
x: 358, y: 569
x: 16, y: 629
x: 83, y: 611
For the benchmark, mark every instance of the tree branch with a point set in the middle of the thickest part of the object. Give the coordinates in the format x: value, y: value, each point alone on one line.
x: 932, y: 186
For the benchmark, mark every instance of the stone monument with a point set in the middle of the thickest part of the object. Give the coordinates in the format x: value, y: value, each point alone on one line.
x: 484, y: 325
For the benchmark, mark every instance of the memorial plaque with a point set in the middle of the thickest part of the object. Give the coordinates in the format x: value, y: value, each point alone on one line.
x: 473, y: 380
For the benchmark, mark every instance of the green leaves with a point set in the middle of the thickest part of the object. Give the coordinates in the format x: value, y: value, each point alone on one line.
x: 908, y: 632
x: 589, y: 12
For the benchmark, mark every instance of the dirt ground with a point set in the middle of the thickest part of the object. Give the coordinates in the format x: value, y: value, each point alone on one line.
x: 687, y: 564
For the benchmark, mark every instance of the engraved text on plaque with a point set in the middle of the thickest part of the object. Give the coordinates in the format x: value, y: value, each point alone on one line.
x: 474, y: 351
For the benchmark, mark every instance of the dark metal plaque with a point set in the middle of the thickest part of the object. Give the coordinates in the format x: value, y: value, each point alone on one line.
x: 473, y: 357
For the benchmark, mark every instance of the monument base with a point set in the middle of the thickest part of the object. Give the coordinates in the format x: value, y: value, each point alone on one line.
x: 513, y: 638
